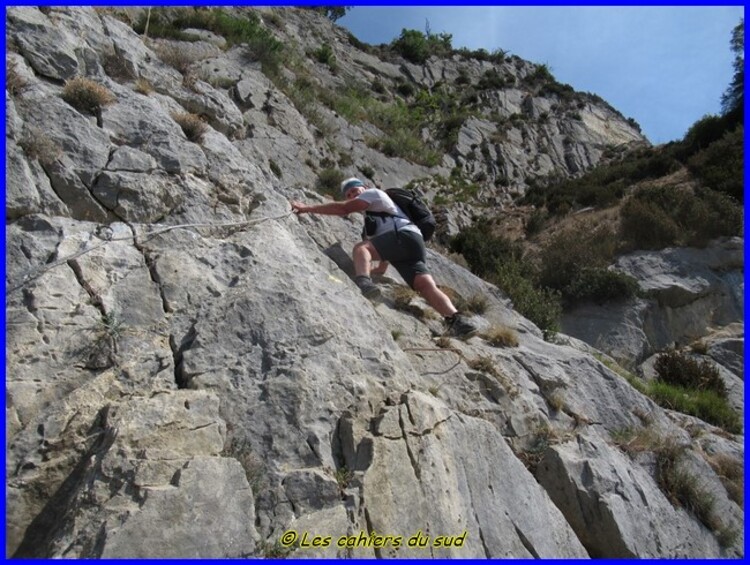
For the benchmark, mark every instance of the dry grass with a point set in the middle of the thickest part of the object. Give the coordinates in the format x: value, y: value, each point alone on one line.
x: 86, y: 95
x: 176, y: 57
x: 142, y: 86
x: 477, y: 304
x: 192, y: 126
x: 444, y: 342
x: 730, y: 471
x: 37, y: 145
x: 14, y: 82
x: 501, y: 336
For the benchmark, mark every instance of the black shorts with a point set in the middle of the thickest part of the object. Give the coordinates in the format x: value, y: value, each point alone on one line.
x: 405, y: 250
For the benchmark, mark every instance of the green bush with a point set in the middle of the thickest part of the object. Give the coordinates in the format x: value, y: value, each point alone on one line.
x: 647, y: 226
x: 721, y: 165
x: 704, y: 132
x: 500, y: 261
x: 417, y: 47
x: 600, y: 285
x: 324, y: 54
x: 329, y: 181
x: 574, y: 263
x: 676, y: 368
x: 603, y: 186
x: 543, y: 306
x: 707, y: 405
x: 657, y: 217
x: 483, y: 251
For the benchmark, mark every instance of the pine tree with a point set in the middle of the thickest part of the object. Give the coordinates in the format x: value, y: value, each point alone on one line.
x: 733, y: 99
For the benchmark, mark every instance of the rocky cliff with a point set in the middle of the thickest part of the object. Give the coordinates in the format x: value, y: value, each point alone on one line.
x: 192, y: 373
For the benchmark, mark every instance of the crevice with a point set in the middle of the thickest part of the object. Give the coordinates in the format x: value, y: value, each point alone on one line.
x: 526, y: 543
x: 57, y: 516
x: 370, y: 531
x: 150, y: 262
x: 481, y: 538
x: 412, y: 457
x: 178, y: 351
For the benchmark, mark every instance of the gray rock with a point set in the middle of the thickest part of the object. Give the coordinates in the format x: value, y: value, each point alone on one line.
x: 49, y: 48
x: 593, y: 484
x: 199, y: 386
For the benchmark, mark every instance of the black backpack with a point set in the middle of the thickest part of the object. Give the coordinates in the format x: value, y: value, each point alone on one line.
x: 415, y: 209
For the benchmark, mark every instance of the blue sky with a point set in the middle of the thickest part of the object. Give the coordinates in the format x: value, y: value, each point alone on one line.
x: 664, y: 66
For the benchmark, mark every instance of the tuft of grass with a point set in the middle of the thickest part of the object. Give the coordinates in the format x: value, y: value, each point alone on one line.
x: 275, y: 169
x: 175, y: 56
x: 396, y: 334
x: 14, y: 82
x: 192, y: 126
x: 556, y: 400
x: 143, y: 86
x: 37, y: 145
x: 681, y: 487
x: 477, y: 304
x: 275, y: 550
x: 343, y: 477
x: 532, y: 454
x: 731, y: 472
x: 253, y: 465
x: 444, y: 342
x: 402, y: 297
x: 501, y: 336
x: 704, y: 404
x: 86, y: 95
x: 329, y: 181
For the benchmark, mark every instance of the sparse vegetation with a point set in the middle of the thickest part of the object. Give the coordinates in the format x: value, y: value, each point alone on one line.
x: 679, y: 486
x: 657, y: 217
x: 176, y: 56
x: 707, y: 403
x: 329, y: 181
x: 501, y: 336
x: 37, y: 145
x: 254, y: 467
x: 417, y: 47
x: 86, y: 95
x: 676, y: 368
x: 343, y: 477
x: 14, y: 82
x: 275, y: 169
x: 500, y: 261
x: 143, y: 86
x: 243, y: 29
x: 731, y: 472
x: 533, y: 453
x: 324, y: 54
x: 192, y: 126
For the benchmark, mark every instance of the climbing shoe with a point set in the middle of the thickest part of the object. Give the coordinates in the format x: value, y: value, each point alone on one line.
x: 459, y: 326
x: 368, y: 288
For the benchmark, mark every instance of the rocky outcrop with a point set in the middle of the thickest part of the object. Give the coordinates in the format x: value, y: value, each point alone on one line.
x: 686, y: 292
x: 192, y: 373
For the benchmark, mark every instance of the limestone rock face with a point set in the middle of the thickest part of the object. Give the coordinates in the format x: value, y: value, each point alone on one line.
x: 687, y: 292
x: 191, y: 372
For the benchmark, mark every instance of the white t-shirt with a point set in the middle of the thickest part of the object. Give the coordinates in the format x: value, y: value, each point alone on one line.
x: 379, y: 201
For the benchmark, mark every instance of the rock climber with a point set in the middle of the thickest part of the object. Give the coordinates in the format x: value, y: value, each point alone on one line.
x: 390, y: 238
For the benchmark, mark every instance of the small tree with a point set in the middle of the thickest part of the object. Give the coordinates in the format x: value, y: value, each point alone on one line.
x: 333, y: 13
x: 733, y: 100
